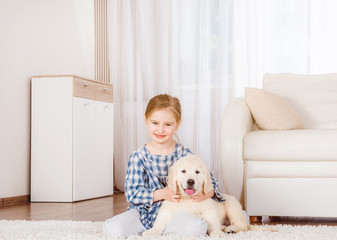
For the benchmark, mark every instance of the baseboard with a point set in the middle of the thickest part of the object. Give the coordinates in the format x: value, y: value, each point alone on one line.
x: 11, y: 201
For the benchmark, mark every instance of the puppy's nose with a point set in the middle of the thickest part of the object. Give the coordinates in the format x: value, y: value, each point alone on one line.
x: 190, y: 182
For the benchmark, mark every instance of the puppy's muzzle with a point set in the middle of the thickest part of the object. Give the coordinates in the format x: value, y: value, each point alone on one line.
x: 190, y: 187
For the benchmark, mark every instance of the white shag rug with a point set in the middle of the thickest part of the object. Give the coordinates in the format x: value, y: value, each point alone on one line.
x: 72, y: 230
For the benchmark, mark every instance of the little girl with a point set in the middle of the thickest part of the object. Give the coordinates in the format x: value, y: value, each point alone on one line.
x: 146, y: 186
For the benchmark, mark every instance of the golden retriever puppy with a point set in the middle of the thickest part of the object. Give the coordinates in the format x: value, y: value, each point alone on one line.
x: 189, y: 176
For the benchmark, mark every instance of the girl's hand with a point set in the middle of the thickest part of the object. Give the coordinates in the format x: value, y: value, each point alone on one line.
x: 165, y: 194
x: 201, y: 196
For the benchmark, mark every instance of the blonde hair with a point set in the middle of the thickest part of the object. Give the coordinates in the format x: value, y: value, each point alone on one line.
x: 164, y: 101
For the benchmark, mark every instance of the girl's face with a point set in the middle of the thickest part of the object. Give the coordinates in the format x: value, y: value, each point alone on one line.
x: 161, y: 126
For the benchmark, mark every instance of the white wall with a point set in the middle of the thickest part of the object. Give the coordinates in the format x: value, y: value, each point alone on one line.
x: 38, y: 37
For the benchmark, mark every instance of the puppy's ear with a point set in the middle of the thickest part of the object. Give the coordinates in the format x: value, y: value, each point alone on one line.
x: 172, y: 182
x: 207, y: 186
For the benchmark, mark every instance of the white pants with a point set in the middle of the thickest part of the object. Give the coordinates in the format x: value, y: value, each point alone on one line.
x: 128, y: 223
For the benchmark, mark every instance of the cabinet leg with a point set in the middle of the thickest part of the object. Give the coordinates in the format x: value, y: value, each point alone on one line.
x: 255, y: 219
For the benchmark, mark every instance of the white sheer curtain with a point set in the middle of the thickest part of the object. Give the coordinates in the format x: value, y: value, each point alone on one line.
x: 299, y: 36
x: 206, y: 52
x: 177, y: 47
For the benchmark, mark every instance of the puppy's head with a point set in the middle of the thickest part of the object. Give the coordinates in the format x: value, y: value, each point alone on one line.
x: 189, y: 176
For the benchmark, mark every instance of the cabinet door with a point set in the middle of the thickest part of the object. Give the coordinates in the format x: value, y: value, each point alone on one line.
x: 51, y: 139
x: 84, y: 159
x: 104, y: 149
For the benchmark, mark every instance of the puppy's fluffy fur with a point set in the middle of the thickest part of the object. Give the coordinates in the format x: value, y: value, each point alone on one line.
x: 189, y: 176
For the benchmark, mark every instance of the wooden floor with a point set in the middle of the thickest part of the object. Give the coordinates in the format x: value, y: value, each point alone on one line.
x: 101, y: 209
x: 98, y: 209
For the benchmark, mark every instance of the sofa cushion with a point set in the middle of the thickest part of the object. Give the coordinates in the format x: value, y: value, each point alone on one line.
x: 270, y: 111
x: 291, y: 145
x: 314, y: 96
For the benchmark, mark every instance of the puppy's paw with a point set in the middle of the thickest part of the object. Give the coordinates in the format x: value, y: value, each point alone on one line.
x: 241, y: 226
x: 151, y: 232
x: 235, y: 228
x: 231, y: 229
x: 217, y: 233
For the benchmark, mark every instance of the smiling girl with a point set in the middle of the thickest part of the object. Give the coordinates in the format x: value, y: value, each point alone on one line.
x: 146, y: 185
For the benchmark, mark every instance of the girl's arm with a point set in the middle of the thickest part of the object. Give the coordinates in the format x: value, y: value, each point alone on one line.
x: 165, y: 194
x: 136, y: 191
x: 216, y: 196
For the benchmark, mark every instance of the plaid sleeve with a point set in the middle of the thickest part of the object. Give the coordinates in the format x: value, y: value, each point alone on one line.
x: 136, y: 189
x: 186, y: 151
x: 217, y: 196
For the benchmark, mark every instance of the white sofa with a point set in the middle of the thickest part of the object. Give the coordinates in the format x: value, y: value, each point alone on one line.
x: 284, y: 172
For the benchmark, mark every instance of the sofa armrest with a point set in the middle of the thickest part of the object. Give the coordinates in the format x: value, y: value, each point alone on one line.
x: 236, y: 122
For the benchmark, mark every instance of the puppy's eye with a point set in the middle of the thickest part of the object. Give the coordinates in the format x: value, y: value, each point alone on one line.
x: 197, y: 172
x: 183, y: 171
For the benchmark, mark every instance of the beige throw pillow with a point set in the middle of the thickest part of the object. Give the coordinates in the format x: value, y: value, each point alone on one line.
x: 272, y: 112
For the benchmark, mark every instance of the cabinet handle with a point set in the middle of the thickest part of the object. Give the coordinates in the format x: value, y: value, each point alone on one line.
x: 86, y: 104
x: 104, y: 89
x: 85, y: 84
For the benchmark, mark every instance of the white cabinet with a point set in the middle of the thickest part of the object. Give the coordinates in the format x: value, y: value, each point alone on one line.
x: 71, y: 139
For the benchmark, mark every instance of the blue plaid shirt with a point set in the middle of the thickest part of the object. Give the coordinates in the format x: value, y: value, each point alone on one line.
x: 148, y: 172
